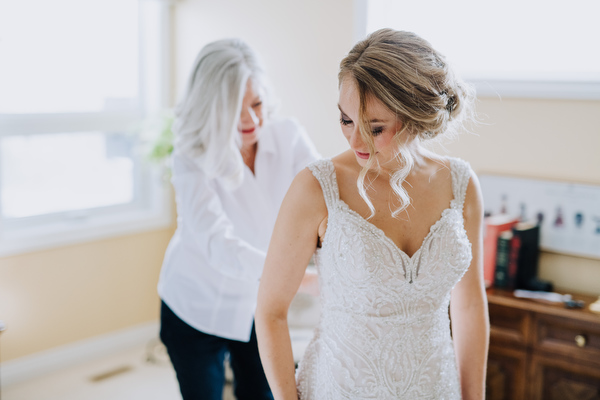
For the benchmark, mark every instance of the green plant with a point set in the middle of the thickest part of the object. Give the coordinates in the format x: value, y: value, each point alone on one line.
x: 162, y: 146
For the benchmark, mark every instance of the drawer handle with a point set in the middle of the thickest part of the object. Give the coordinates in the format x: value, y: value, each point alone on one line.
x: 580, y: 340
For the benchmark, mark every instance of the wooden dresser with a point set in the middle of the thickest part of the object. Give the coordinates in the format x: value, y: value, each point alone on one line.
x: 541, y: 350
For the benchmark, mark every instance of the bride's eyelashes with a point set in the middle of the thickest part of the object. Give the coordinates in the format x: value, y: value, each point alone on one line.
x: 377, y: 131
x: 374, y: 131
x: 345, y: 121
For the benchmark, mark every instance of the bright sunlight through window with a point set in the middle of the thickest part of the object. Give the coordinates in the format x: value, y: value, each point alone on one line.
x: 78, y: 79
x: 539, y: 42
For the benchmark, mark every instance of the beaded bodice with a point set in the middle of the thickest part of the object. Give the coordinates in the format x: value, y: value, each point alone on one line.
x: 384, y: 329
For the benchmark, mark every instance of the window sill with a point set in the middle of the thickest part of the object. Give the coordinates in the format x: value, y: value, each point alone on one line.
x: 538, y: 90
x: 90, y: 228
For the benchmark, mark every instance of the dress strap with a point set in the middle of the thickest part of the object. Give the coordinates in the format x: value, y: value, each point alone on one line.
x: 324, y: 171
x: 461, y: 174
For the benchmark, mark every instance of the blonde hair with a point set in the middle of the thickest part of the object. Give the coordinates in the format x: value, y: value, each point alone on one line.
x: 206, y: 119
x: 414, y: 81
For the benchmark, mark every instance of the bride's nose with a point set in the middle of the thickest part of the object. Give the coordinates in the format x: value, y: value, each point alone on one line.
x: 355, y: 140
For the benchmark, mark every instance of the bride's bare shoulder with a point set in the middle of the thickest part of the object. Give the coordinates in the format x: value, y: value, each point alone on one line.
x: 305, y: 192
x: 306, y: 180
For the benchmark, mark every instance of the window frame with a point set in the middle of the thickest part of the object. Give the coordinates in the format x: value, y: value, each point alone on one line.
x: 504, y: 88
x: 152, y: 205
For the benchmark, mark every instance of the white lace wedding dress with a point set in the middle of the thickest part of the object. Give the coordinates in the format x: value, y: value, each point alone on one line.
x: 384, y: 331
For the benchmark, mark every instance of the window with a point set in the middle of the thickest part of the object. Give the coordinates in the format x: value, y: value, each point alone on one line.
x: 535, y: 48
x: 78, y: 79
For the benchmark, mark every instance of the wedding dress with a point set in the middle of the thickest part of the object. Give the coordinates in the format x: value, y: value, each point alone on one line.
x: 384, y: 330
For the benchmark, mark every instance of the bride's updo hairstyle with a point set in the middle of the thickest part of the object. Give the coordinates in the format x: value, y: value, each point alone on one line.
x: 205, y: 126
x: 414, y: 81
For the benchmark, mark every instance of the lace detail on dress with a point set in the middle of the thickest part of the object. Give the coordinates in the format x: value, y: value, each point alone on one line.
x: 325, y: 173
x: 461, y: 173
x: 384, y: 331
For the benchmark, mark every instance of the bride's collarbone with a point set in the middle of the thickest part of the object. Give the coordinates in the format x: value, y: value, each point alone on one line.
x: 410, y: 227
x: 430, y: 194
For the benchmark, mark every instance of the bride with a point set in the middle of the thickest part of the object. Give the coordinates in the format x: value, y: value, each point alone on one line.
x: 397, y: 236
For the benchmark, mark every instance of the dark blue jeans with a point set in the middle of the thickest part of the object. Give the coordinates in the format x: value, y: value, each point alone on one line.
x: 198, y: 359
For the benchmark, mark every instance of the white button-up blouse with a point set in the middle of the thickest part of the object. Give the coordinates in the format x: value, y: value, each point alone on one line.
x: 213, y: 264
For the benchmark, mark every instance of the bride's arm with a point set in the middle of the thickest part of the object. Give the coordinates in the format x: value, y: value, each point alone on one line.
x: 468, y: 305
x: 292, y: 244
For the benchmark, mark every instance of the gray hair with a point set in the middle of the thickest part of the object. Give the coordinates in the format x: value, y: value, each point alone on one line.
x: 205, y: 126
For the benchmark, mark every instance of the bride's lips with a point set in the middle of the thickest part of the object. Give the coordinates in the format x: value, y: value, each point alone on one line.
x: 247, y: 131
x: 364, y: 156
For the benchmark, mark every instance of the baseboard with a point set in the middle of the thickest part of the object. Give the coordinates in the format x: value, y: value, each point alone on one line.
x: 42, y: 363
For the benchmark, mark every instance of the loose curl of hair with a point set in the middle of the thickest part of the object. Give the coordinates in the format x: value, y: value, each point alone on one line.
x: 415, y: 82
x: 206, y: 119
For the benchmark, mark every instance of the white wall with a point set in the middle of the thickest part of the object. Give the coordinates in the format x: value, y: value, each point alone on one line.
x: 300, y: 42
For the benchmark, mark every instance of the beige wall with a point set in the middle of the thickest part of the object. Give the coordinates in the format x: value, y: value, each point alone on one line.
x: 548, y: 139
x: 54, y: 297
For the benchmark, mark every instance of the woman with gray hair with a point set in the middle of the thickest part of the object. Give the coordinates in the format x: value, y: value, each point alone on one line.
x: 232, y: 165
x: 396, y: 233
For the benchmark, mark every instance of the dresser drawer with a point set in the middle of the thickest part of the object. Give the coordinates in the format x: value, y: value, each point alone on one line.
x: 559, y: 378
x: 509, y: 325
x: 568, y: 337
